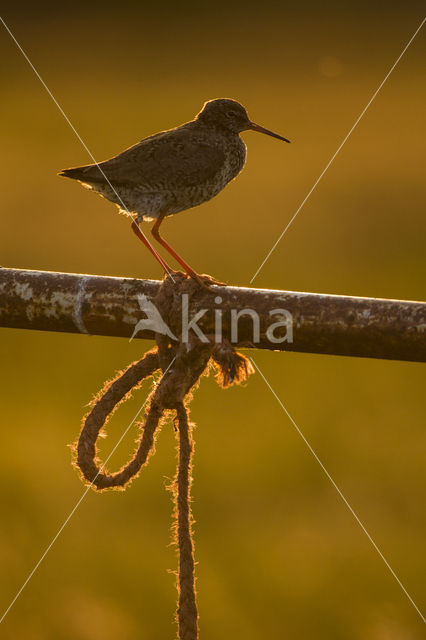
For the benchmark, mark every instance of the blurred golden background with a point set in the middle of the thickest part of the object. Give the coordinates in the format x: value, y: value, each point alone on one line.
x: 279, y: 554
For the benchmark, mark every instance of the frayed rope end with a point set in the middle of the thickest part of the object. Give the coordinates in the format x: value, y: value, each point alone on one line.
x: 232, y: 367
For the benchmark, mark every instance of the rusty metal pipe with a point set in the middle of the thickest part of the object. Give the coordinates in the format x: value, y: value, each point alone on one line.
x: 328, y: 324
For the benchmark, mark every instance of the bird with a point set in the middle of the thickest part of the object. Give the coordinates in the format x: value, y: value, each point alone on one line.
x: 174, y: 170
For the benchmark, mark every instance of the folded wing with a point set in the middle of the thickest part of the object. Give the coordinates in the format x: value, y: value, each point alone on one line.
x: 168, y: 160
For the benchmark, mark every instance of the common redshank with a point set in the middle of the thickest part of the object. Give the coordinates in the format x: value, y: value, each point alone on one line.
x: 174, y: 170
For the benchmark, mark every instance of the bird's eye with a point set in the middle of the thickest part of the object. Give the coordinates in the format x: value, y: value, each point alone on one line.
x: 232, y: 114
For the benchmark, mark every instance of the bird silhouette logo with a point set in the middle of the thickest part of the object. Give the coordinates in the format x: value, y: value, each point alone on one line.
x: 153, y: 321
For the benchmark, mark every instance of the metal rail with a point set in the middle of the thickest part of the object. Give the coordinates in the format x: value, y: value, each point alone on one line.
x: 109, y: 306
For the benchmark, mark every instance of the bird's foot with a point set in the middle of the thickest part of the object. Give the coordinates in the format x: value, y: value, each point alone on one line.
x: 205, y: 281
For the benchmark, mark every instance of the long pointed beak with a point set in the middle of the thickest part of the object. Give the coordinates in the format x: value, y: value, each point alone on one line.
x: 256, y: 127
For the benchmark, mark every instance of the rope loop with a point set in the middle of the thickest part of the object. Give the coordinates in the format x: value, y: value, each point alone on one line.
x: 182, y: 364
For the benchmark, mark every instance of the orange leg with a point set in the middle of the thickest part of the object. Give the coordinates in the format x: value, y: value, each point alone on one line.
x: 156, y: 233
x: 139, y: 233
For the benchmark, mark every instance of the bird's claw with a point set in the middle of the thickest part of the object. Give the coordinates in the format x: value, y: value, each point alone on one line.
x: 205, y: 281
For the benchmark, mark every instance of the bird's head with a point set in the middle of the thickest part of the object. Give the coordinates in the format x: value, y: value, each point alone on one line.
x: 231, y: 115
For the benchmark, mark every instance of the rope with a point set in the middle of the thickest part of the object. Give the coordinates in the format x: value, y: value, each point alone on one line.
x: 187, y: 608
x: 181, y: 364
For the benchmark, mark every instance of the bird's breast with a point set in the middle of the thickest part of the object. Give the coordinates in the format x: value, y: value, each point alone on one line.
x: 234, y: 157
x: 236, y: 153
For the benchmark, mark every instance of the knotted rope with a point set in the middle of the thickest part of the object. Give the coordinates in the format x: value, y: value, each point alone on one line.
x: 181, y: 364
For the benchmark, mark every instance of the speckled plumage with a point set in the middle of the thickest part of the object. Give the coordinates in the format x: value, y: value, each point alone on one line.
x: 173, y: 170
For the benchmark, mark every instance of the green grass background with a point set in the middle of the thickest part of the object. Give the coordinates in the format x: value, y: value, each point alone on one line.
x: 279, y: 554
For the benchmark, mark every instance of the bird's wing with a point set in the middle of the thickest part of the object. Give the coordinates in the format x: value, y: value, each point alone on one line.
x: 171, y: 158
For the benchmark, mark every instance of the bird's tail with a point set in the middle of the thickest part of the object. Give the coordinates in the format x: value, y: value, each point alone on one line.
x: 89, y: 172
